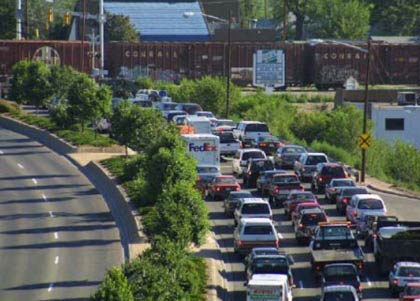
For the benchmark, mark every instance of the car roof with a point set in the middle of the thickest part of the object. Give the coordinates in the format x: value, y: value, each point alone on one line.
x: 407, y: 264
x: 264, y: 249
x: 367, y: 196
x: 248, y: 122
x: 241, y: 192
x: 339, y: 264
x: 246, y: 150
x: 287, y: 174
x: 413, y: 284
x: 274, y: 171
x: 226, y: 177
x: 297, y: 191
x: 254, y: 200
x: 316, y: 154
x: 339, y: 288
x: 208, y: 165
x: 311, y: 211
x: 309, y: 204
x: 278, y: 255
x: 258, y: 220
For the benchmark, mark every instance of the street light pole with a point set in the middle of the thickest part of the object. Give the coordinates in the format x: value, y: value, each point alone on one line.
x: 365, y: 109
x: 228, y: 74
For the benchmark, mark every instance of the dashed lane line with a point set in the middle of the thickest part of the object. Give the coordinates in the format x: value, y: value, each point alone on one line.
x: 56, y: 235
x: 44, y: 197
x: 56, y: 259
x: 20, y: 166
x: 34, y: 180
x: 1, y: 152
x: 300, y: 284
x: 51, y: 213
x: 50, y: 287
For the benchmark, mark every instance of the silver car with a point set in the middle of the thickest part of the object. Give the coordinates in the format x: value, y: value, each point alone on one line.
x: 402, y: 273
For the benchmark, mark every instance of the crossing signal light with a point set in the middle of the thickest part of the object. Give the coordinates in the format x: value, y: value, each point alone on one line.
x: 50, y: 15
x: 36, y: 32
x: 67, y: 18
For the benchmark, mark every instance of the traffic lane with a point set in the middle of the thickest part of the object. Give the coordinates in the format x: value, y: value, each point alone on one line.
x: 403, y: 207
x: 83, y: 240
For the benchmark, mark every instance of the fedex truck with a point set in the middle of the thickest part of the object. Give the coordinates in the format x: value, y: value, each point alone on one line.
x: 204, y: 148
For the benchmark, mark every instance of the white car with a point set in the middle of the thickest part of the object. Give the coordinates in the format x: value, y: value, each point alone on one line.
x: 402, y: 273
x: 251, y: 130
x: 240, y: 160
x: 339, y: 292
x: 361, y: 204
x: 253, y: 208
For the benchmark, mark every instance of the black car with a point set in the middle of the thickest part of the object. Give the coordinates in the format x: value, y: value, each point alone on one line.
x: 264, y: 179
x: 342, y: 274
x: 233, y: 200
x: 286, y: 155
x: 268, y: 144
x: 253, y: 169
x: 270, y: 264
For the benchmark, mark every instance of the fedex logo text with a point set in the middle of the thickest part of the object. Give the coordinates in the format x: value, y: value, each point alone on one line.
x: 206, y: 147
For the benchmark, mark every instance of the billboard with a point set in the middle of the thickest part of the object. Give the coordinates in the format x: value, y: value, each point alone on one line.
x: 269, y: 66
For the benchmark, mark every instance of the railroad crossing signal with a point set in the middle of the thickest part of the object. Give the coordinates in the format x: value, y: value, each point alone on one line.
x: 50, y: 15
x: 364, y: 141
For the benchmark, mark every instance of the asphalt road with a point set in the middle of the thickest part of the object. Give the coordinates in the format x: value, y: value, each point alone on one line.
x: 375, y: 286
x: 57, y: 235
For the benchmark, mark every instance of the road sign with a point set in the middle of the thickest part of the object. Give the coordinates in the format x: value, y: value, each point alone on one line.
x: 364, y: 141
x: 269, y: 66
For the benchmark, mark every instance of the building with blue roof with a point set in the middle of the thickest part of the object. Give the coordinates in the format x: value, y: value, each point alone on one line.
x: 163, y: 20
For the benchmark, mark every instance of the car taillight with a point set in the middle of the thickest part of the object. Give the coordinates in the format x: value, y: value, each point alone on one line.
x: 303, y: 169
x: 317, y: 267
x: 249, y: 172
x: 278, y: 144
x: 321, y: 179
x: 334, y: 189
x: 302, y: 188
x: 241, y: 145
x: 263, y: 144
x: 355, y: 213
x: 395, y: 282
x: 238, y: 188
x: 199, y: 178
x: 345, y: 200
x: 360, y: 265
x: 300, y: 225
x: 277, y: 243
x: 374, y: 235
x: 276, y: 191
x: 359, y: 288
x: 217, y: 188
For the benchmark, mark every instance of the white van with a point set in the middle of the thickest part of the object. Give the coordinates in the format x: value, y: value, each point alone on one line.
x: 268, y: 287
x: 201, y: 125
x: 205, y: 148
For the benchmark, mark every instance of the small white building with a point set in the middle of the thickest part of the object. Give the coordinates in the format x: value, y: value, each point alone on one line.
x: 397, y: 122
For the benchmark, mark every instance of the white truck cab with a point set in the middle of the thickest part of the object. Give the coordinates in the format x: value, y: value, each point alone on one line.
x: 268, y: 287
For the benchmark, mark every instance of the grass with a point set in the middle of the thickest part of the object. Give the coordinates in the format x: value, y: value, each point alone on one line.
x: 74, y: 136
x: 115, y: 166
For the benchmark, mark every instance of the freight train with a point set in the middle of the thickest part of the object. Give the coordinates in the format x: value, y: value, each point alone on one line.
x: 323, y: 65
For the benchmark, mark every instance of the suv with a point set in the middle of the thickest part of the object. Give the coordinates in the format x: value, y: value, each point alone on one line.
x: 240, y: 160
x: 339, y: 293
x: 280, y: 187
x: 286, y: 156
x: 251, y: 130
x: 253, y: 170
x: 263, y: 181
x: 250, y: 208
x: 270, y: 264
x: 402, y: 273
x: 254, y: 232
x: 324, y: 173
x: 306, y: 165
x: 341, y: 273
x: 307, y: 222
x: 227, y: 143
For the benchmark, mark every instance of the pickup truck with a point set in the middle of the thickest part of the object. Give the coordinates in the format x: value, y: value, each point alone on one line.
x: 396, y: 241
x: 280, y: 187
x: 334, y: 243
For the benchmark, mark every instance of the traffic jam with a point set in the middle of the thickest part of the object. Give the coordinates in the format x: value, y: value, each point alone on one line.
x: 294, y: 224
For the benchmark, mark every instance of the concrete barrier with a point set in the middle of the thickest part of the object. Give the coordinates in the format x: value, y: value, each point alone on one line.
x: 44, y: 137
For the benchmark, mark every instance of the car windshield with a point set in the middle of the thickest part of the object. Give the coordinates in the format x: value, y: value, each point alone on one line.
x: 169, y: 106
x: 207, y: 169
x: 226, y: 137
x: 268, y: 139
x: 302, y: 196
x: 252, y: 155
x: 314, y: 160
x: 205, y: 114
x: 266, y: 252
x: 372, y: 204
x: 240, y: 195
x: 313, y: 219
x: 300, y: 208
x: 343, y: 183
x: 333, y: 171
x: 409, y: 271
x: 413, y: 291
x: 285, y: 179
x: 293, y: 150
x: 256, y: 127
x: 255, y: 208
x: 225, y: 180
x: 334, y: 232
x: 345, y: 271
x: 339, y: 296
x: 259, y: 230
x: 277, y: 265
x: 262, y: 165
x: 351, y: 192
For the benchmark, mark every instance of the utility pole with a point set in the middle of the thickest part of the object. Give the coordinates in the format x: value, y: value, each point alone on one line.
x: 101, y: 36
x: 228, y: 73
x: 19, y: 20
x: 27, y: 19
x: 365, y: 109
x: 285, y: 17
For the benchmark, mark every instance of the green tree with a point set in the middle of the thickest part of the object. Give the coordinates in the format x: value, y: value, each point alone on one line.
x: 119, y: 28
x: 61, y: 78
x: 122, y: 124
x: 18, y: 82
x: 300, y: 9
x: 104, y: 95
x: 399, y: 17
x: 37, y: 85
x: 84, y: 103
x: 8, y: 19
x: 115, y: 287
x: 341, y: 19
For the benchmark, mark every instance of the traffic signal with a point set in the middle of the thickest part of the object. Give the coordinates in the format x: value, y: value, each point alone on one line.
x: 36, y: 32
x: 50, y: 15
x: 67, y: 18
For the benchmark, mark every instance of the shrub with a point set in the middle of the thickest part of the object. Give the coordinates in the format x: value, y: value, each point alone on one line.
x: 9, y: 107
x: 88, y: 137
x: 144, y: 82
x: 115, y: 287
x: 334, y: 152
x: 115, y: 165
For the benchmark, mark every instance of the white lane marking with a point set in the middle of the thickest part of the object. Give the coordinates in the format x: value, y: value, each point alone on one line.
x: 44, y: 197
x: 300, y: 284
x: 51, y: 214
x: 20, y: 166
x: 56, y: 259
x: 50, y: 287
x: 56, y: 235
x: 368, y: 281
x: 1, y: 152
x: 280, y: 236
x: 34, y: 180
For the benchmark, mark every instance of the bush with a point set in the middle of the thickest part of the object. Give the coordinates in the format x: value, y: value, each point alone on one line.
x: 88, y: 137
x: 115, y: 287
x: 144, y: 82
x: 334, y: 152
x: 116, y: 165
x: 9, y: 107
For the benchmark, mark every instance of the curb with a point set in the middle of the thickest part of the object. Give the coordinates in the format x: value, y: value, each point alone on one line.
x: 405, y: 195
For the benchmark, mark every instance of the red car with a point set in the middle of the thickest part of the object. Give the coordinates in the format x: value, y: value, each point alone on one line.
x: 302, y: 206
x: 221, y: 186
x: 297, y: 197
x: 410, y: 292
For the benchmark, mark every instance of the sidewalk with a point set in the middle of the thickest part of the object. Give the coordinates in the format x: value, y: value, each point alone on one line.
x: 380, y: 186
